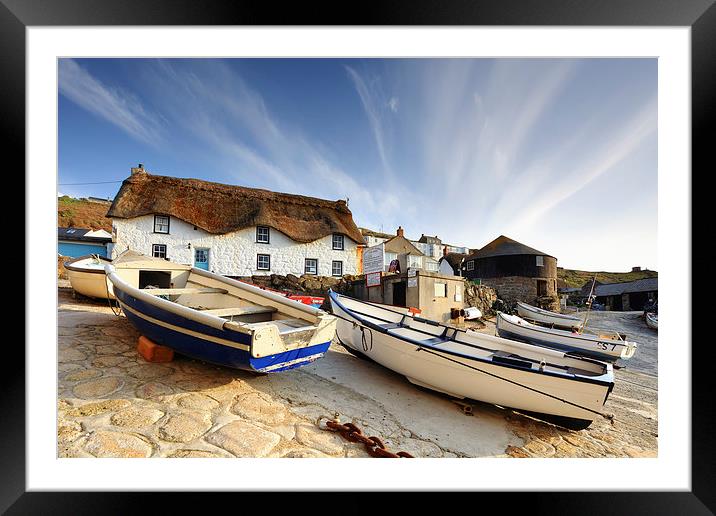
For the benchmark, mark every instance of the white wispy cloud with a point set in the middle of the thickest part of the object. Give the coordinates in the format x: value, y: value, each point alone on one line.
x: 114, y: 105
x: 251, y: 144
x: 372, y: 102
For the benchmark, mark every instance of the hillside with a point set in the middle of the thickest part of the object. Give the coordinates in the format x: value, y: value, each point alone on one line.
x: 81, y: 213
x: 575, y: 279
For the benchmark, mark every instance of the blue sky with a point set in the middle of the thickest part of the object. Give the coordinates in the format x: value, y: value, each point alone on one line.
x: 560, y: 154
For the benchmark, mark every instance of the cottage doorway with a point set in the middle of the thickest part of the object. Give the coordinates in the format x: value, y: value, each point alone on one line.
x: 201, y: 258
x: 399, y: 293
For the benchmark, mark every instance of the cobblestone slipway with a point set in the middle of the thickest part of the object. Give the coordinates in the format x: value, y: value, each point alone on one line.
x: 111, y: 403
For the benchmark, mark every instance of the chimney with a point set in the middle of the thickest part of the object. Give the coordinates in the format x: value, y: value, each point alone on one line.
x: 138, y: 169
x: 400, y: 231
x: 445, y: 251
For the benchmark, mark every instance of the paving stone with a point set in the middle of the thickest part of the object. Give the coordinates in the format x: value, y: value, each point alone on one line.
x: 258, y: 406
x: 244, y: 439
x: 71, y: 355
x: 184, y: 427
x: 93, y: 409
x: 64, y: 367
x: 539, y: 448
x: 288, y: 432
x: 116, y: 444
x: 68, y: 431
x: 85, y: 374
x: 195, y: 454
x: 149, y: 371
x: 98, y: 388
x: 304, y: 453
x: 151, y: 390
x: 136, y: 417
x: 108, y: 361
x: 63, y: 405
x: 111, y: 349
x: 415, y: 447
x: 197, y: 402
x: 323, y: 440
x: 516, y: 452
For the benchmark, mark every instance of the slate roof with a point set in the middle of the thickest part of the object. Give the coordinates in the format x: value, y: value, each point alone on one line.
x: 615, y: 289
x: 503, y: 246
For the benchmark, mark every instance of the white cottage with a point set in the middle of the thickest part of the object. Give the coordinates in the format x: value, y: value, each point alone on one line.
x: 233, y: 230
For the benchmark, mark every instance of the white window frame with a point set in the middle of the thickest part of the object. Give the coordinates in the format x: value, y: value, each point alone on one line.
x: 258, y: 262
x: 540, y: 261
x: 305, y: 266
x: 333, y: 268
x: 470, y: 265
x: 341, y: 239
x: 415, y: 262
x: 268, y: 235
x: 157, y: 223
x: 443, y: 288
x: 155, y: 254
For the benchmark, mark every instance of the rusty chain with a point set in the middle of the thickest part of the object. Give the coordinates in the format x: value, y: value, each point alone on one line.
x: 373, y: 445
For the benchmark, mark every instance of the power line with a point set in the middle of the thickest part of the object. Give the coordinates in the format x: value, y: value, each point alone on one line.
x: 100, y: 183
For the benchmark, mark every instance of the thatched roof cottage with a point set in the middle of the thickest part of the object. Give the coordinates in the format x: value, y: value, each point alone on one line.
x: 233, y: 230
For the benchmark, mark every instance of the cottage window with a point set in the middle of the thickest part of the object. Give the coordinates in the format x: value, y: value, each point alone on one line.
x: 311, y: 266
x: 262, y: 235
x: 263, y: 262
x: 440, y: 289
x: 159, y: 250
x: 338, y: 242
x: 337, y: 268
x: 540, y: 261
x: 161, y: 224
x: 431, y: 265
x: 471, y: 265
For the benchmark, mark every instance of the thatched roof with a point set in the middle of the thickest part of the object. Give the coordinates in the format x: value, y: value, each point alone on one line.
x: 219, y: 208
x: 502, y: 246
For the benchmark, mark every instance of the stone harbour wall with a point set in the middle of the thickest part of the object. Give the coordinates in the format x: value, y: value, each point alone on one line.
x: 517, y: 288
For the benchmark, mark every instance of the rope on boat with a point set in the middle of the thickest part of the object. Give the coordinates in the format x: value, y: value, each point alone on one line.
x: 609, y: 417
x: 109, y: 301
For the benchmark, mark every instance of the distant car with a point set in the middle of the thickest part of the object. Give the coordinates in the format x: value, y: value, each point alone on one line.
x: 598, y: 306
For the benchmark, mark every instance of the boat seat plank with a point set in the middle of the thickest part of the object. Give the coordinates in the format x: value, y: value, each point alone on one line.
x: 240, y: 310
x: 177, y: 291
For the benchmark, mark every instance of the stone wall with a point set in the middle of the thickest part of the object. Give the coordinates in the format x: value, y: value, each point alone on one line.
x: 481, y: 297
x: 233, y: 254
x: 517, y: 288
x: 305, y: 284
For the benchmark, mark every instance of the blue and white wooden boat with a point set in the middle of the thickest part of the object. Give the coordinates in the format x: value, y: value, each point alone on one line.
x: 226, y: 322
x: 554, y: 386
x: 608, y: 346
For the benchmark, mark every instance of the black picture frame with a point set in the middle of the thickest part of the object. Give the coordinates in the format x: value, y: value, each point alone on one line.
x: 699, y: 15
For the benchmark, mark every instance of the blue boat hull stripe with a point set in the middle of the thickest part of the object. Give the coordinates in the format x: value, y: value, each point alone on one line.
x: 186, y: 331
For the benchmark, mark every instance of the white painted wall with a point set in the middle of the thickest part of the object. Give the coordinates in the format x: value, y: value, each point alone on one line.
x: 232, y: 254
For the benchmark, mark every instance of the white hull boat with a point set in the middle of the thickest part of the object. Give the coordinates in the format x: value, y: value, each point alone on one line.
x: 607, y: 346
x: 566, y: 390
x: 87, y: 275
x: 652, y: 321
x: 538, y: 315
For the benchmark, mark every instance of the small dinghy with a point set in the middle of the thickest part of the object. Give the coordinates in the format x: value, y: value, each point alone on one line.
x: 226, y: 322
x: 554, y: 386
x: 608, y: 346
x: 545, y: 317
x: 652, y: 320
x: 86, y: 275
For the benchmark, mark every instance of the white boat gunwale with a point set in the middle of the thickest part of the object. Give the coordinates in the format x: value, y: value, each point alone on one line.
x: 606, y: 379
x: 69, y: 265
x: 578, y: 336
x: 548, y: 313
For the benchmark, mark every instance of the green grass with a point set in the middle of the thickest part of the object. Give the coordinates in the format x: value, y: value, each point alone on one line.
x: 575, y: 279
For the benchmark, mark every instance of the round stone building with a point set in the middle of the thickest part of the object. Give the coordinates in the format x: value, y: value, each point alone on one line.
x: 517, y: 272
